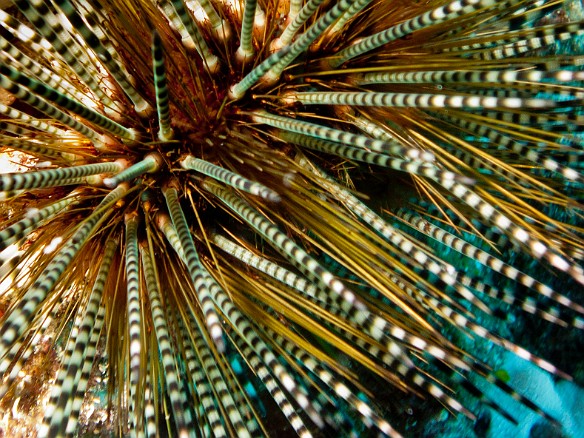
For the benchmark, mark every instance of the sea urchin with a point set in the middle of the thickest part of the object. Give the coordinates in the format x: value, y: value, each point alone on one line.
x: 226, y: 207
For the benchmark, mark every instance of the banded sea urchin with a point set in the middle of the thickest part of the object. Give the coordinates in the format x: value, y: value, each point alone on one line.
x: 197, y: 215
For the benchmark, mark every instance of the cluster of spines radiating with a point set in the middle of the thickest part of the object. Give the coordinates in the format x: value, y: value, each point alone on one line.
x: 181, y: 303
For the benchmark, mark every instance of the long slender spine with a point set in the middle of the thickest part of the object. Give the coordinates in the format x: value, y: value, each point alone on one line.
x: 435, y: 16
x: 231, y: 178
x: 165, y: 131
x: 71, y: 370
x: 246, y: 50
x: 182, y: 420
x: 60, y: 99
x: 193, y: 264
x: 20, y: 318
x: 284, y: 244
x: 49, y: 178
x: 326, y: 133
x: 134, y: 313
